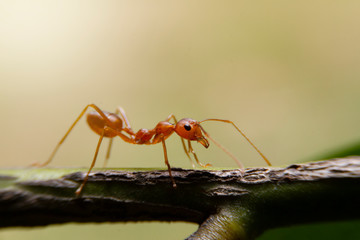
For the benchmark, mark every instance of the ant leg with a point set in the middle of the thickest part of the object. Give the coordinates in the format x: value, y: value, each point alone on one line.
x: 171, y: 116
x: 195, y: 156
x: 187, y: 152
x: 63, y: 139
x: 108, y: 152
x: 79, y: 190
x: 123, y: 115
x: 110, y: 145
x: 167, y: 162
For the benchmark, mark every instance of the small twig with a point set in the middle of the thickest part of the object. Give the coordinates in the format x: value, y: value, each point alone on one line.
x: 226, y: 203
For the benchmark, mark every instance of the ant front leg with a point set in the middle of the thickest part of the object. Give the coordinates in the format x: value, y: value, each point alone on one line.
x: 195, y: 156
x: 187, y: 152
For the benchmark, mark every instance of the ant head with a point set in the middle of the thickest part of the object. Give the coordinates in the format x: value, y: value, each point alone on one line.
x: 190, y: 129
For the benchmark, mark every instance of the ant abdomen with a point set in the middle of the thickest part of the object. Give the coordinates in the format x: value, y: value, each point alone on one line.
x: 97, y: 123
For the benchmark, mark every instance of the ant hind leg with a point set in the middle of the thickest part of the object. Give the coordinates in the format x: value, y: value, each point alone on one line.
x: 66, y: 134
x: 81, y: 187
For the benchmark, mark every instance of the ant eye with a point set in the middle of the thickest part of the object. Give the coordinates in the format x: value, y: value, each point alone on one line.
x: 187, y: 127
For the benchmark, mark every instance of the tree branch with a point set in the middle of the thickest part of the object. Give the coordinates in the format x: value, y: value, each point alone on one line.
x: 228, y: 204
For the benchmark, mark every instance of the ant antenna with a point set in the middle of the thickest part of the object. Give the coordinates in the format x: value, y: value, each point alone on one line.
x: 224, y: 149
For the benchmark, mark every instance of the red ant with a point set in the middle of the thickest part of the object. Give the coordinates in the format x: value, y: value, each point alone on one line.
x: 110, y: 125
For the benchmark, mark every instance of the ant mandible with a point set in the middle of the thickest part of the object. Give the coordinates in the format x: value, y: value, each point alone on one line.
x: 110, y: 125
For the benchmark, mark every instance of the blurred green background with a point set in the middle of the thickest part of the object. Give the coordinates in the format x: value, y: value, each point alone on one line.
x: 286, y: 72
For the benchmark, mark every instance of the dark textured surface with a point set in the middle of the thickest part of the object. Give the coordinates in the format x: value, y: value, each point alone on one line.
x: 336, y: 168
x: 19, y: 208
x: 270, y: 197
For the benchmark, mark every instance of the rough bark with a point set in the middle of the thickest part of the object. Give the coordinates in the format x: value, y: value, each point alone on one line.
x: 227, y: 204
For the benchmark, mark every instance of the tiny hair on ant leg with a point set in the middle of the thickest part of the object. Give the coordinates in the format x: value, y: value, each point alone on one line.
x: 110, y: 125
